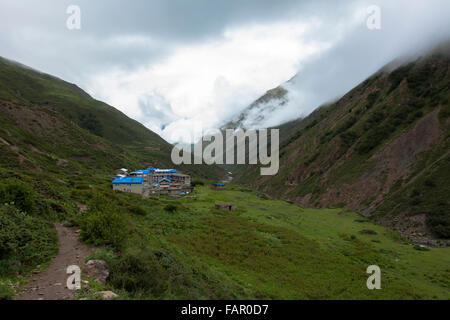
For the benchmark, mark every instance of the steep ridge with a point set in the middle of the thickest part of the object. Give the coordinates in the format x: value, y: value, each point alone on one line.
x: 382, y: 149
x: 255, y: 113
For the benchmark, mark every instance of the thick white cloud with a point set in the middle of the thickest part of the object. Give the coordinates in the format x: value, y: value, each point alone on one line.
x: 206, y: 83
x: 178, y: 65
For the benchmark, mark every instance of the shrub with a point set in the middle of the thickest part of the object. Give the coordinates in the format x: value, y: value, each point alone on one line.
x: 429, y: 183
x: 170, y: 208
x: 348, y: 138
x: 24, y: 240
x: 368, y: 231
x: 81, y: 194
x: 197, y: 183
x: 103, y: 223
x: 137, y: 210
x: 374, y: 138
x: 439, y: 221
x: 372, y: 98
x: 419, y: 248
x: 91, y: 123
x: 6, y: 292
x: 17, y: 192
x: 104, y: 254
x: 138, y: 271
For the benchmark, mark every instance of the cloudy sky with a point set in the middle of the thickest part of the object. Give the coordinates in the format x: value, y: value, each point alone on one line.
x: 177, y: 65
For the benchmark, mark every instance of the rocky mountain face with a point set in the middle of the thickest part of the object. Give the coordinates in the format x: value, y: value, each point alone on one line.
x: 255, y: 114
x: 382, y: 149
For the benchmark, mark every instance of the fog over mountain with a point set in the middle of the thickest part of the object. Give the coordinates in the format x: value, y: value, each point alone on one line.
x: 175, y: 66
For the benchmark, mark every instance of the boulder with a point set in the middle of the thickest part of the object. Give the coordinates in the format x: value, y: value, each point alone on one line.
x: 107, y: 295
x: 97, y: 269
x: 67, y: 224
x: 225, y: 206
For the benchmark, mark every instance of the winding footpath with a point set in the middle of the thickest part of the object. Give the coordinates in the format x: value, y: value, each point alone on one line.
x: 50, y: 284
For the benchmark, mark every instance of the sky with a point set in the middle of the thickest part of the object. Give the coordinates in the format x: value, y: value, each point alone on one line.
x: 180, y: 65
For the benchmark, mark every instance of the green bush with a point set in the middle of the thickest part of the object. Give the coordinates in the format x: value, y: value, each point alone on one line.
x: 368, y: 231
x: 138, y: 271
x: 6, y: 292
x: 103, y: 223
x: 137, y: 210
x: 372, y: 98
x: 419, y: 248
x: 24, y: 240
x: 17, y: 192
x: 429, y: 183
x: 104, y: 254
x: 81, y: 194
x: 374, y: 138
x: 197, y: 183
x: 170, y: 208
x: 439, y: 221
x: 348, y: 138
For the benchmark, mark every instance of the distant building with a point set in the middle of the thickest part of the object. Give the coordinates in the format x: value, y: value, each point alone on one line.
x: 225, y: 206
x: 129, y: 184
x: 154, y: 182
x: 218, y: 186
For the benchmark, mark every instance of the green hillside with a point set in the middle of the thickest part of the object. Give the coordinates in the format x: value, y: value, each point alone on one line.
x: 57, y: 144
x: 28, y: 86
x: 381, y: 149
x: 25, y: 92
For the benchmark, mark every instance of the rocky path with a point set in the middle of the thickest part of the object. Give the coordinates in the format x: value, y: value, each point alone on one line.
x: 51, y: 283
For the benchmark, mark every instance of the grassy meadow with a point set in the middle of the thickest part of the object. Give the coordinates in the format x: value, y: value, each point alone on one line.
x: 266, y: 249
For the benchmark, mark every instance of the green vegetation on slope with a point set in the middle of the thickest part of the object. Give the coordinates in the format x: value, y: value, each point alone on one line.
x: 381, y: 141
x: 22, y: 88
x: 56, y: 145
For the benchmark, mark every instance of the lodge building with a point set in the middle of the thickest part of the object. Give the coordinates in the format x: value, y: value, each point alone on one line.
x: 154, y: 182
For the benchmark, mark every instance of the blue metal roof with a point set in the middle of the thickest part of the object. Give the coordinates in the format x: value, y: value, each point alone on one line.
x: 219, y: 184
x: 160, y: 180
x: 142, y: 171
x: 133, y: 180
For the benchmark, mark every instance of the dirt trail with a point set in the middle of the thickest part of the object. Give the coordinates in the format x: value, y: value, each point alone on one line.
x: 51, y: 283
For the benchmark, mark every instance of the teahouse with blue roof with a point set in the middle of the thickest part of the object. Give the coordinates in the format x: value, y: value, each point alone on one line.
x: 154, y: 182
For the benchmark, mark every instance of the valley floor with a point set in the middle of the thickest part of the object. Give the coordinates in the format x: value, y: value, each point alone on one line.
x: 269, y: 249
x: 265, y: 249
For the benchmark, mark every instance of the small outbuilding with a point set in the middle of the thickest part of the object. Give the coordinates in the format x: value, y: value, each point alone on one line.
x: 218, y: 186
x: 225, y: 206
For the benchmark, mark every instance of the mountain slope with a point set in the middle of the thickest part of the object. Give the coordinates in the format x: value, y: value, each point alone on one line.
x: 28, y: 86
x: 27, y: 95
x: 382, y: 149
x: 255, y: 114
